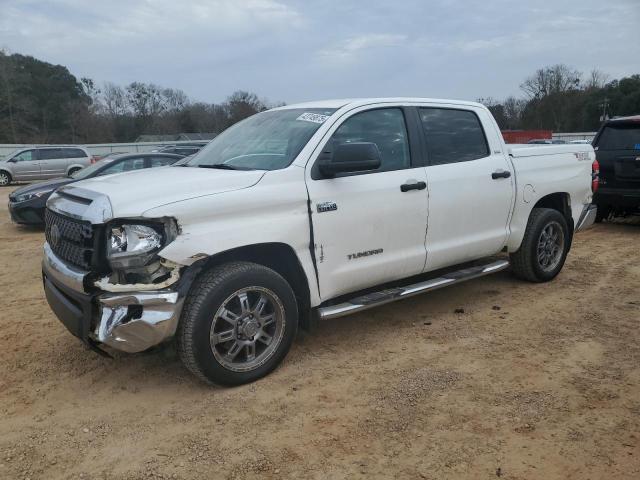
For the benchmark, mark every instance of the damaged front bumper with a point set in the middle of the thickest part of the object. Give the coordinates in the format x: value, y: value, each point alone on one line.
x: 128, y: 321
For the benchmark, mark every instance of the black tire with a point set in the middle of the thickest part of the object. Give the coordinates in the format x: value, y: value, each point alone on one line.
x: 602, y: 213
x: 526, y: 263
x: 73, y: 170
x: 215, y: 289
x: 5, y: 178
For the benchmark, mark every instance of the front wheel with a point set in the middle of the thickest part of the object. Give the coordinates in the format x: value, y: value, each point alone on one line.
x: 238, y: 323
x: 544, y: 247
x: 5, y: 178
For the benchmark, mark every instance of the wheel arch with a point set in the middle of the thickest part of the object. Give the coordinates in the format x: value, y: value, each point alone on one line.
x: 73, y: 167
x: 560, y: 201
x: 277, y: 256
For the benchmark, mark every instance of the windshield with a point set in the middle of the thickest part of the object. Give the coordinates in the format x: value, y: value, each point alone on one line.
x: 266, y: 141
x: 620, y: 137
x: 86, y: 172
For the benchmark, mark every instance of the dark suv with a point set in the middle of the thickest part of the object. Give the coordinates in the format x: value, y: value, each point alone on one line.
x: 617, y: 147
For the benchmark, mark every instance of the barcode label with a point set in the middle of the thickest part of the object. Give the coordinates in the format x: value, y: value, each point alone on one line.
x: 312, y: 117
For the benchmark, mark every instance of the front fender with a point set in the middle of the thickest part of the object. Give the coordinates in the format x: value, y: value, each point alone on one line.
x: 273, y: 211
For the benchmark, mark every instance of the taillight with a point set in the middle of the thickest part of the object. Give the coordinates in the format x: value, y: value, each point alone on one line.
x: 95, y: 158
x: 595, y: 176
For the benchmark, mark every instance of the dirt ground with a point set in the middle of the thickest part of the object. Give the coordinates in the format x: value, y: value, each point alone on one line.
x: 530, y: 382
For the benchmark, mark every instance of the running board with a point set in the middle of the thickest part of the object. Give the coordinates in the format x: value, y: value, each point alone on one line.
x: 375, y: 299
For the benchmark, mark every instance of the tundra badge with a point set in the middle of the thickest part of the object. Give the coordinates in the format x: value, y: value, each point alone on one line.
x: 326, y: 207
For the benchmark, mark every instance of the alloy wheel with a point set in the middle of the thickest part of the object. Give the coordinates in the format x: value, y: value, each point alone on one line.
x: 247, y: 329
x: 550, y: 246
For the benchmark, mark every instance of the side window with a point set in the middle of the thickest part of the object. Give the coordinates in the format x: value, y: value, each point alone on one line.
x: 186, y: 151
x: 453, y: 135
x: 124, y: 166
x: 386, y: 128
x: 73, y: 153
x: 161, y: 161
x: 25, y: 156
x: 50, y: 153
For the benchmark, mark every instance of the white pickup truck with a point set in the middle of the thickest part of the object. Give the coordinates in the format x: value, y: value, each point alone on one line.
x: 306, y: 212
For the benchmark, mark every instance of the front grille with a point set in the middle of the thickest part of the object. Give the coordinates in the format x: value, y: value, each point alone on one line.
x: 70, y: 239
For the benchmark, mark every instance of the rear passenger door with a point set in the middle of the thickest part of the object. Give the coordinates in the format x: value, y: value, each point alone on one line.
x: 53, y: 162
x: 470, y: 185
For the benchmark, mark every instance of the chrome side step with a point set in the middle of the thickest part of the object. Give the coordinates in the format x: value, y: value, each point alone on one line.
x: 375, y: 299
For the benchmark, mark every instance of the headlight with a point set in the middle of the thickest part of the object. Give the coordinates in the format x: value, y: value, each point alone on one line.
x: 28, y: 196
x: 134, y: 245
x: 134, y: 238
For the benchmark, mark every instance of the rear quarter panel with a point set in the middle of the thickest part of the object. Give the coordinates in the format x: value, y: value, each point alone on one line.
x: 541, y: 171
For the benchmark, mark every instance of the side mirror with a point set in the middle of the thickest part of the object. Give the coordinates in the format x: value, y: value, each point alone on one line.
x: 350, y: 157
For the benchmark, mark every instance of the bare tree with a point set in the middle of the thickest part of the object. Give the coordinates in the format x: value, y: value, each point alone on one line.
x: 114, y: 99
x: 513, y: 108
x: 241, y: 104
x: 549, y: 80
x: 175, y: 99
x: 596, y: 79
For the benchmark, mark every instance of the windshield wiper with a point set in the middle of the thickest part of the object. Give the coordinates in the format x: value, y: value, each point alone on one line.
x: 223, y: 166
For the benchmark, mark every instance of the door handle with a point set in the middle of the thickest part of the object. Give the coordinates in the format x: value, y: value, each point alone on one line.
x: 413, y: 186
x: 501, y: 174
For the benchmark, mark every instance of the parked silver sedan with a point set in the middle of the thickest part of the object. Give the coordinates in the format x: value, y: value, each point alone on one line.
x: 42, y: 163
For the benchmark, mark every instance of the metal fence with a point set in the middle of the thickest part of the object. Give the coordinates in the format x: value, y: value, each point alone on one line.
x: 102, y: 148
x: 568, y: 137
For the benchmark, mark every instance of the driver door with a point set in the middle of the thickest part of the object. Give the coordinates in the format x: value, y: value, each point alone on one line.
x: 26, y: 166
x: 368, y: 227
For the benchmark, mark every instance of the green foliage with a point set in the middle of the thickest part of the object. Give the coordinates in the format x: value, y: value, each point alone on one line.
x: 45, y: 103
x: 560, y: 100
x: 35, y: 100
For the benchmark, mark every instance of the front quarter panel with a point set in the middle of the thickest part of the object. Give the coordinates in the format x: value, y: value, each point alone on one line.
x: 274, y: 210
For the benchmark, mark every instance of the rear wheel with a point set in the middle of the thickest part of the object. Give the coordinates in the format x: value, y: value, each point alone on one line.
x: 238, y: 323
x: 602, y: 213
x: 5, y: 178
x: 544, y: 247
x: 74, y: 170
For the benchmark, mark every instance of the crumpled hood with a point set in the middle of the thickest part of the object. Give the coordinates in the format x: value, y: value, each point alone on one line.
x: 133, y: 193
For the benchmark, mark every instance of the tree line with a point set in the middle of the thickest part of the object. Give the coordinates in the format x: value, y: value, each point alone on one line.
x: 562, y: 99
x: 45, y: 103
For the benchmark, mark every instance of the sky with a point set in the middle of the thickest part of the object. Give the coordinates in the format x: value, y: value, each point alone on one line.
x: 297, y: 50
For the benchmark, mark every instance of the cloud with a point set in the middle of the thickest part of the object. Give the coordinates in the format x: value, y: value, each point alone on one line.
x: 295, y: 50
x: 350, y: 47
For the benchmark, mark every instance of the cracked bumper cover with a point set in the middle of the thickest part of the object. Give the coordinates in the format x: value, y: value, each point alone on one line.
x: 128, y: 321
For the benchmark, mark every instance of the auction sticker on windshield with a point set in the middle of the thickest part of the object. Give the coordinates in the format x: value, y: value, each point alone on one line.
x: 313, y: 117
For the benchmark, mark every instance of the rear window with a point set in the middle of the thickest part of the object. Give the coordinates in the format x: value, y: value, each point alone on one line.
x: 620, y: 137
x: 74, y: 153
